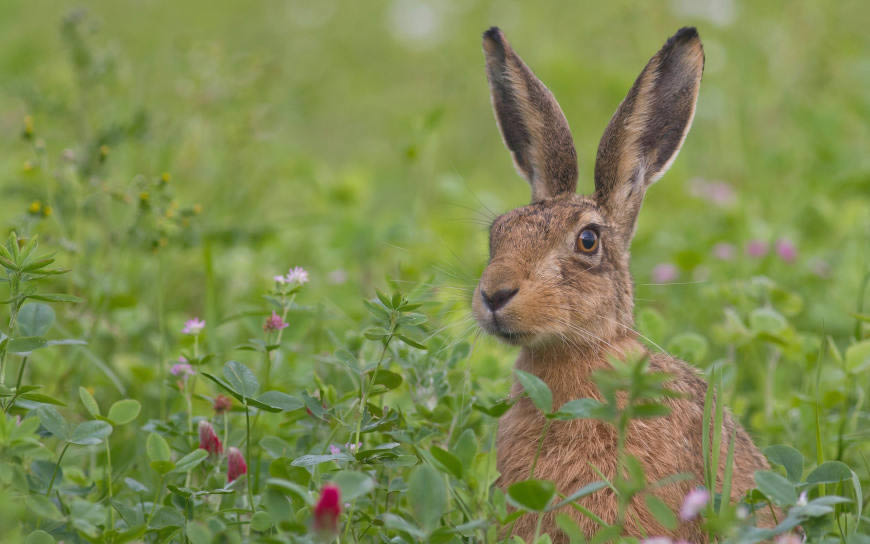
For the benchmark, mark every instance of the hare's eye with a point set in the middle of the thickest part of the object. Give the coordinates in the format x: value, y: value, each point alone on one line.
x: 587, y: 242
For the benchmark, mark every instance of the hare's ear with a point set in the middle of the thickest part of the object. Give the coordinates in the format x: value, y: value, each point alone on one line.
x: 647, y: 130
x: 534, y: 128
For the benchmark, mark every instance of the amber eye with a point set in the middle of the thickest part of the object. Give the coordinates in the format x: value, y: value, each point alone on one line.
x: 587, y: 242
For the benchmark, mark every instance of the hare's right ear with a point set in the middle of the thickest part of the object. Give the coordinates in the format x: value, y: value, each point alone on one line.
x: 647, y: 130
x: 532, y: 123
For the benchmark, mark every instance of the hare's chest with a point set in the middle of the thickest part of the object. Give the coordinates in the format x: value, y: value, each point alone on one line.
x: 568, y: 454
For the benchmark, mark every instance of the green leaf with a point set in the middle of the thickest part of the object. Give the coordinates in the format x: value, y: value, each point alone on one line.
x: 39, y: 537
x: 789, y: 458
x: 587, y: 489
x: 241, y: 379
x: 661, y: 512
x: 281, y: 401
x: 532, y: 495
x: 124, y: 411
x: 688, y: 346
x: 166, y: 517
x: 775, y: 487
x: 163, y: 467
x: 55, y: 297
x: 190, y: 461
x: 449, y: 461
x: 39, y: 397
x: 858, y: 357
x: 35, y: 319
x: 42, y: 507
x: 537, y: 391
x: 90, y: 433
x: 353, y: 484
x: 496, y: 409
x: 767, y: 320
x: 53, y: 422
x: 157, y: 448
x: 25, y: 344
x: 410, y: 341
x: 427, y: 495
x: 312, y: 460
x: 90, y: 403
x: 385, y: 380
x: 578, y: 409
x: 261, y: 521
x: 568, y: 526
x: 829, y: 472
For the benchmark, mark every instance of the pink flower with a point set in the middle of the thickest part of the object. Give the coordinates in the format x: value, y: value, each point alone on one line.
x: 297, y: 275
x: 694, y: 502
x: 182, y: 369
x: 236, y: 465
x: 352, y: 447
x: 786, y: 250
x: 280, y: 279
x: 665, y: 273
x: 274, y: 323
x: 208, y: 439
x: 724, y: 251
x: 222, y: 404
x: 193, y: 326
x: 333, y: 449
x: 716, y: 192
x: 756, y: 248
x: 657, y: 540
x: 327, y: 510
x: 789, y: 538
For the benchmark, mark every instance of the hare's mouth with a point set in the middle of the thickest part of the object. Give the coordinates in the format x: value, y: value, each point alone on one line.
x: 511, y: 337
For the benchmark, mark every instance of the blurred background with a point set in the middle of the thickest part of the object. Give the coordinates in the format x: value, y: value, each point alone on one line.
x: 178, y: 155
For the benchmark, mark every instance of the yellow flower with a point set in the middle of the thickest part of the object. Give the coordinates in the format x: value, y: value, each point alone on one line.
x: 28, y: 126
x: 47, y: 211
x: 144, y: 196
x: 166, y: 177
x: 35, y: 206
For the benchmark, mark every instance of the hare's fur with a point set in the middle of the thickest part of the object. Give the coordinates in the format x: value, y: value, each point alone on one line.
x: 570, y: 310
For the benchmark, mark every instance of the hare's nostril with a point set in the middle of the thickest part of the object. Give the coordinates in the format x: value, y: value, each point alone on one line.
x: 497, y: 299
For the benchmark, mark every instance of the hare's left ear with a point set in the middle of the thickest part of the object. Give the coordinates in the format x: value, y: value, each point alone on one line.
x: 532, y: 123
x: 647, y: 130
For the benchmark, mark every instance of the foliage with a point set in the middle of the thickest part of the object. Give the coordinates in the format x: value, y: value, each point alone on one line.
x: 151, y: 180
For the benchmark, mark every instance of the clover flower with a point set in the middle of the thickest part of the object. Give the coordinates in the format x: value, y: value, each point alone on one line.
x: 193, y: 326
x: 665, y: 273
x: 208, y: 439
x: 297, y: 275
x: 327, y: 510
x: 756, y: 248
x: 694, y: 502
x: 182, y: 369
x: 334, y: 450
x: 222, y: 404
x: 274, y: 323
x: 786, y: 250
x: 724, y: 251
x: 236, y: 465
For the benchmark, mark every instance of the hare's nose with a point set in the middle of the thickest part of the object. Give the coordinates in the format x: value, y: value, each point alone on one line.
x: 497, y: 299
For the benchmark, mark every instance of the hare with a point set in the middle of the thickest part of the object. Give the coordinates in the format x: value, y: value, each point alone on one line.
x: 558, y: 286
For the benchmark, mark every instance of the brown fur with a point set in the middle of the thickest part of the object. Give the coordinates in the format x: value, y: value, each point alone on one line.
x: 569, y: 310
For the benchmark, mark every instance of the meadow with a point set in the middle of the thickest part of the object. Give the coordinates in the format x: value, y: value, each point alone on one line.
x: 239, y: 242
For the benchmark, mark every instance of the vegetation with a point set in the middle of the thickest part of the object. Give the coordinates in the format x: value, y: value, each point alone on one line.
x: 239, y: 243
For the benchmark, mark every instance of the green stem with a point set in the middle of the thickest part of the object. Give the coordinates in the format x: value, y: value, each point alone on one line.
x: 538, y: 527
x: 368, y: 386
x: 56, y: 467
x: 540, y: 447
x: 156, y: 498
x: 248, y: 454
x: 11, y: 403
x: 109, y: 478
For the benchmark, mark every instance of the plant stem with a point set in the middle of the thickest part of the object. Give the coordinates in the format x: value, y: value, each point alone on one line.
x: 540, y: 447
x: 109, y: 477
x: 248, y: 453
x: 17, y: 385
x: 368, y: 386
x: 56, y: 467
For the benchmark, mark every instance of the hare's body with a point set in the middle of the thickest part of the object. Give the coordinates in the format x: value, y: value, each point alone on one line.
x: 558, y: 284
x: 665, y: 446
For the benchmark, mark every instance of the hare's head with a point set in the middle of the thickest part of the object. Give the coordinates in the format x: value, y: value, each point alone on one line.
x: 558, y: 268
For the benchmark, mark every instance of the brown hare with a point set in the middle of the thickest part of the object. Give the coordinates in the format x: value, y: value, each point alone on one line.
x: 557, y: 284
